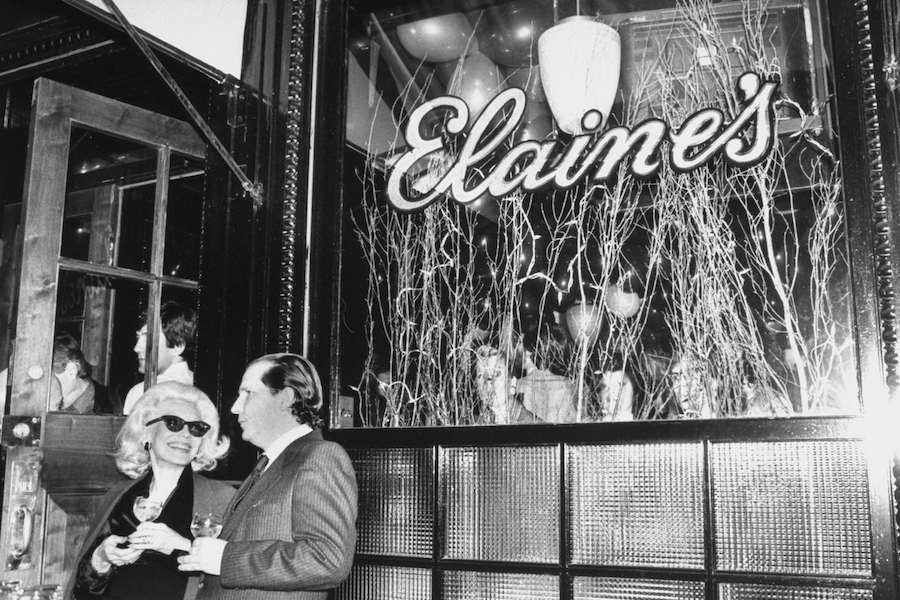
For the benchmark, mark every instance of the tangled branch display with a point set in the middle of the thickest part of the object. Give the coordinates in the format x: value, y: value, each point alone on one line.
x: 712, y: 292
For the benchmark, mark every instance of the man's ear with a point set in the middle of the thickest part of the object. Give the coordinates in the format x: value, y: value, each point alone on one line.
x: 71, y: 370
x: 286, y: 399
x: 178, y: 349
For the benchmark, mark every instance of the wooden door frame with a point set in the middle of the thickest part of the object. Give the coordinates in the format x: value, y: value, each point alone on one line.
x: 56, y: 108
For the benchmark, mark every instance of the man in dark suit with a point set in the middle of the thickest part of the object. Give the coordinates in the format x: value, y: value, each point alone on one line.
x: 290, y: 530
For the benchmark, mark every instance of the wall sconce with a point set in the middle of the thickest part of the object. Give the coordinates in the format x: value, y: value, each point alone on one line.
x: 580, y: 59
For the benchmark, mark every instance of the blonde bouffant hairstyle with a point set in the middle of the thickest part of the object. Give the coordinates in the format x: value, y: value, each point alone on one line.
x: 132, y: 457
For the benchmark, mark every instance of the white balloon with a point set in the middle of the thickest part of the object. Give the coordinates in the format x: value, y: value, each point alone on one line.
x: 621, y: 303
x: 438, y: 39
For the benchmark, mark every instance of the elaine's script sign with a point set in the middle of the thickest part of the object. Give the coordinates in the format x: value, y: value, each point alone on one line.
x: 531, y: 165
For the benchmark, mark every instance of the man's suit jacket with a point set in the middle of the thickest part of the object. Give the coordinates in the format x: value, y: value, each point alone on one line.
x: 294, y: 532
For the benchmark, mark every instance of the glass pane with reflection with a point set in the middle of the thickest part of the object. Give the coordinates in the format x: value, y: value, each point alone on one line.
x: 94, y: 361
x: 590, y: 288
x: 183, y: 220
x: 178, y: 328
x: 10, y: 215
x: 96, y: 226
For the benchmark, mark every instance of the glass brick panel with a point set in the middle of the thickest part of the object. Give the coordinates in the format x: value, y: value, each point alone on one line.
x: 759, y: 591
x: 501, y: 503
x: 636, y: 505
x: 469, y: 585
x: 368, y: 582
x: 792, y: 507
x: 626, y: 588
x: 396, y: 514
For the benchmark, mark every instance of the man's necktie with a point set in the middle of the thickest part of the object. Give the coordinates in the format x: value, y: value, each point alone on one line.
x: 251, y: 479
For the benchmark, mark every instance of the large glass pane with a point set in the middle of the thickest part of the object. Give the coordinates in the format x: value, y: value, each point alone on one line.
x: 385, y: 583
x: 9, y: 251
x: 396, y: 488
x: 136, y: 227
x: 178, y: 320
x: 183, y: 222
x: 679, y: 252
x: 94, y: 360
x: 799, y: 508
x: 501, y: 503
x: 636, y: 505
x: 96, y: 226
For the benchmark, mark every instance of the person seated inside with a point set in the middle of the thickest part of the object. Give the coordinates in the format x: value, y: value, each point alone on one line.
x: 72, y: 389
x: 543, y: 388
x: 177, y: 327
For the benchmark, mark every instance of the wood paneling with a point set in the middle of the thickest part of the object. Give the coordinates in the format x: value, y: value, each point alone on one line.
x: 78, y: 452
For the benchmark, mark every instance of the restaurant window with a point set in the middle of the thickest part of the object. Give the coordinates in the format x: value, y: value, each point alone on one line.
x: 574, y: 212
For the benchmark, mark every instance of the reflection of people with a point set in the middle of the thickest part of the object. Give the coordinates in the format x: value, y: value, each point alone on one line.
x: 617, y: 396
x: 544, y: 388
x: 291, y: 525
x: 76, y: 391
x: 173, y: 432
x: 177, y: 325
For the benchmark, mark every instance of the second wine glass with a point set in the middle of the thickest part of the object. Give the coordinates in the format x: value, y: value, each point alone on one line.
x: 206, y: 525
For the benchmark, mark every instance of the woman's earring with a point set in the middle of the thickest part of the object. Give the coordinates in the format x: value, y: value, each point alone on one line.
x: 147, y: 446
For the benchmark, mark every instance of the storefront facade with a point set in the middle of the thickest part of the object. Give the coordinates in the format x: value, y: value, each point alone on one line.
x: 570, y: 367
x: 603, y: 291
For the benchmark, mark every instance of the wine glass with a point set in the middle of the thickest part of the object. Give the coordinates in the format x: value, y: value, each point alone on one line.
x: 206, y: 525
x: 146, y: 509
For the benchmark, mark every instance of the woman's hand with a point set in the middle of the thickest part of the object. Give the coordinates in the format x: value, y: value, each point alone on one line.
x: 159, y: 537
x: 108, y: 553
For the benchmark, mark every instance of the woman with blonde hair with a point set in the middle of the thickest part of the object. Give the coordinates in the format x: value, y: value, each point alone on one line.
x: 172, y: 433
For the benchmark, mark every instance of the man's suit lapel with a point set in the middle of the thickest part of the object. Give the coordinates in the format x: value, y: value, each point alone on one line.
x: 236, y: 514
x: 269, y: 477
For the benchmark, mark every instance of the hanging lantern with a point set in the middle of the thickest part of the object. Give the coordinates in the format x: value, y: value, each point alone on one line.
x: 580, y: 60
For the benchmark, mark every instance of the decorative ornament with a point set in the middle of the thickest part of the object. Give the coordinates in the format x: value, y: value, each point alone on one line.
x: 621, y: 303
x: 580, y: 60
x: 438, y: 39
x: 474, y: 79
x: 584, y: 322
x: 508, y: 33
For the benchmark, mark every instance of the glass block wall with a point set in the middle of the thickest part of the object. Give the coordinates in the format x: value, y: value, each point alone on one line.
x: 397, y: 487
x: 636, y: 505
x: 677, y: 520
x: 501, y: 503
x: 792, y: 507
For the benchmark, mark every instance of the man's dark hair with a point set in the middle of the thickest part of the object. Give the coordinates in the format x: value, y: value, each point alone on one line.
x: 66, y: 349
x: 297, y: 373
x: 179, y: 326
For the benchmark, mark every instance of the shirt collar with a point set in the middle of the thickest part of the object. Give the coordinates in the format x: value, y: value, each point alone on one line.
x: 179, y: 372
x: 284, y: 440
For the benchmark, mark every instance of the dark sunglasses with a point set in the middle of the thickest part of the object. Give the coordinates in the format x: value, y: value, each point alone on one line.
x: 176, y: 424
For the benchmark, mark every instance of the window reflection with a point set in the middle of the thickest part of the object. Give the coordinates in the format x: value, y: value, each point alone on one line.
x: 99, y: 315
x: 183, y: 219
